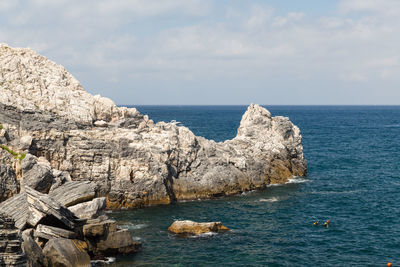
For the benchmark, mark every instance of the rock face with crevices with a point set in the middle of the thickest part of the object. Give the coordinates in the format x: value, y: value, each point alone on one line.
x: 10, y: 243
x: 52, y: 235
x: 44, y: 111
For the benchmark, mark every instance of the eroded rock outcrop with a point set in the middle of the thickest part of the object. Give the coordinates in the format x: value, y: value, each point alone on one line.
x: 45, y: 112
x: 187, y: 228
x: 53, y: 235
x: 10, y: 243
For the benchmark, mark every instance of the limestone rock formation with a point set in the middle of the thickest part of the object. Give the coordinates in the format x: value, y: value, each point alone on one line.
x: 89, y: 209
x: 66, y: 253
x: 45, y: 112
x: 104, y: 238
x: 31, y: 249
x: 8, y: 182
x: 74, y: 192
x: 10, y: 243
x: 185, y: 228
x: 53, y: 236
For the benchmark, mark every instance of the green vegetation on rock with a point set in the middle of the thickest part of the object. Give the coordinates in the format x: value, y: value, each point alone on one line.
x: 16, y: 155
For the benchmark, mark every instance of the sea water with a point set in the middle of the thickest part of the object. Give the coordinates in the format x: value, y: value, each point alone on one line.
x: 353, y: 155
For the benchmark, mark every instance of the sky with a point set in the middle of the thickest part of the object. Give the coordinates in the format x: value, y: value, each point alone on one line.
x: 218, y: 52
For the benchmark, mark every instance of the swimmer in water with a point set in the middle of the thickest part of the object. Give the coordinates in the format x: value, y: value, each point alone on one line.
x: 326, y: 224
x: 316, y: 223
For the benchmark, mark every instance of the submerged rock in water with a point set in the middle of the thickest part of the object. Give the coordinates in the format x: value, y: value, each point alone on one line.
x: 195, y: 228
x: 133, y: 161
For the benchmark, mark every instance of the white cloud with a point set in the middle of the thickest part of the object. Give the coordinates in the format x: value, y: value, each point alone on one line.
x: 180, y: 44
x: 387, y: 7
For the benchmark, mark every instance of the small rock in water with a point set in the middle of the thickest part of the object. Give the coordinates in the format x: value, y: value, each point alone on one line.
x: 187, y: 228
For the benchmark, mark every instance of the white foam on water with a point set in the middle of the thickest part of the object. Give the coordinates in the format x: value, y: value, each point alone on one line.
x: 108, y: 260
x: 131, y: 226
x: 248, y: 192
x: 204, y: 235
x: 271, y: 199
x: 297, y: 180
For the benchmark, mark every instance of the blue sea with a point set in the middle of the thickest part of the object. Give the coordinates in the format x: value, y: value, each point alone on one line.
x: 353, y: 155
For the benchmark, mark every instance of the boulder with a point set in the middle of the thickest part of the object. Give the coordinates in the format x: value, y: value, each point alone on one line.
x: 8, y: 182
x: 10, y: 243
x: 35, y: 174
x: 100, y: 123
x: 31, y: 249
x: 119, y: 242
x: 25, y: 142
x: 105, y: 239
x: 17, y: 207
x: 31, y: 207
x: 38, y: 178
x: 63, y: 252
x: 195, y: 228
x: 98, y: 229
x: 89, y: 209
x: 49, y: 232
x: 74, y: 192
x: 42, y: 206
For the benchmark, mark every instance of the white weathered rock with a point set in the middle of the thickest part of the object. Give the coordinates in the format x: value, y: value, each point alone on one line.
x: 100, y: 123
x: 50, y: 88
x: 133, y: 161
x: 89, y: 209
x: 25, y: 142
x: 74, y: 192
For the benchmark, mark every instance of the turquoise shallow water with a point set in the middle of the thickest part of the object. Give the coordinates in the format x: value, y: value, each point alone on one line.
x: 353, y: 158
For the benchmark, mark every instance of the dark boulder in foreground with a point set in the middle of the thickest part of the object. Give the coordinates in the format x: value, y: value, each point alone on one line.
x: 105, y: 239
x: 187, y: 227
x: 10, y: 243
x: 66, y: 253
x: 54, y: 236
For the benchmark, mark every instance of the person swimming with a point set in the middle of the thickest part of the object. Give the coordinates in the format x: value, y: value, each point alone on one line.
x: 326, y: 224
x: 316, y: 223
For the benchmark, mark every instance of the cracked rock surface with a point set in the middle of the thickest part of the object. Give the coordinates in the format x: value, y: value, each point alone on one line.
x: 44, y: 111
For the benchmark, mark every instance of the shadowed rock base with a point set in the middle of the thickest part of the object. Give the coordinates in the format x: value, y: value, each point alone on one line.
x: 10, y: 243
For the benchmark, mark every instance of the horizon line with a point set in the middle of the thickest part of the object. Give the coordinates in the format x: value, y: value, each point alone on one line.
x: 300, y: 105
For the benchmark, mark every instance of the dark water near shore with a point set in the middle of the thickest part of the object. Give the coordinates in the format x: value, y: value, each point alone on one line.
x: 353, y: 157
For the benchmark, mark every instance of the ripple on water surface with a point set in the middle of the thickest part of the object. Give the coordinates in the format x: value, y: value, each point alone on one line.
x: 353, y: 180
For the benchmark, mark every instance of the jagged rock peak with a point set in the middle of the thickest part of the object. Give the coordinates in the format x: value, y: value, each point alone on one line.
x: 29, y: 81
x: 133, y: 162
x: 255, y: 116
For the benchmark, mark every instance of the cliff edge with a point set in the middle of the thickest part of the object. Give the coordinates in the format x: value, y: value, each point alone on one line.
x: 44, y: 111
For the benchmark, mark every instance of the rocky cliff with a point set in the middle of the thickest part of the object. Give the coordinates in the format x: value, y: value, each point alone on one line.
x: 44, y: 111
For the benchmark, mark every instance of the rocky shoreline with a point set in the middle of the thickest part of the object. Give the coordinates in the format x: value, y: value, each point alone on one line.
x: 58, y: 142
